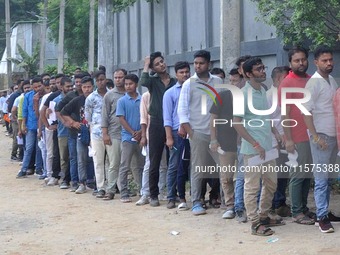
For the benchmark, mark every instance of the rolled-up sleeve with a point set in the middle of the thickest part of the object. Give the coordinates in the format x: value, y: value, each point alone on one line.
x: 144, y: 115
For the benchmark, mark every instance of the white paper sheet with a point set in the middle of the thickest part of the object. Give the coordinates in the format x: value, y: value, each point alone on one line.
x: 20, y: 140
x: 270, y: 155
x: 52, y: 117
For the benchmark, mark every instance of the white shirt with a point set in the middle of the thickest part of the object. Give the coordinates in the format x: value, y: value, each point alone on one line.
x: 321, y: 103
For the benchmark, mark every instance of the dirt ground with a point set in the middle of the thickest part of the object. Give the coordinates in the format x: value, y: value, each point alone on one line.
x: 36, y: 219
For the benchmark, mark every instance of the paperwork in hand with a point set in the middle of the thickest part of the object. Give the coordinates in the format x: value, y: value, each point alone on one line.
x: 270, y: 155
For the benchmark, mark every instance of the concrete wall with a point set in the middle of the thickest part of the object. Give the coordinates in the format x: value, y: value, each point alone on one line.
x: 178, y: 28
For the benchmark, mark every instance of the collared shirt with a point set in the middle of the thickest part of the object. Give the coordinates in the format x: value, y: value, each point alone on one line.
x: 62, y: 130
x: 170, y: 106
x: 259, y: 128
x: 321, y: 103
x: 144, y: 115
x: 93, y: 113
x: 190, y: 103
x: 109, y: 118
x: 156, y: 88
x: 28, y: 111
x: 298, y: 132
x: 129, y: 108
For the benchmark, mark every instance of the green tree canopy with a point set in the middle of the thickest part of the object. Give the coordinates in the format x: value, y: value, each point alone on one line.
x: 299, y: 20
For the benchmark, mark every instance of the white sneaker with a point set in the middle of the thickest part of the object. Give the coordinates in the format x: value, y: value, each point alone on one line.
x: 162, y: 196
x: 229, y: 214
x: 52, y: 182
x: 81, y: 189
x: 143, y: 201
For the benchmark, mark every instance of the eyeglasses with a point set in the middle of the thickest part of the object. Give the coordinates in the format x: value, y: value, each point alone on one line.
x: 261, y: 68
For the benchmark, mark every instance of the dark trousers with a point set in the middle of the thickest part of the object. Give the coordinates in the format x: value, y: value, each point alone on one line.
x: 56, y: 156
x: 156, y: 146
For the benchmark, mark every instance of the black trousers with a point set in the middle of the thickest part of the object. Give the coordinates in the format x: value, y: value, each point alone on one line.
x: 156, y: 147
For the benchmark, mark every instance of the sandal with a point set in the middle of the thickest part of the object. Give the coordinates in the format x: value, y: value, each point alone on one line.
x: 261, y: 230
x: 303, y: 219
x: 214, y: 203
x: 268, y: 222
x: 109, y: 196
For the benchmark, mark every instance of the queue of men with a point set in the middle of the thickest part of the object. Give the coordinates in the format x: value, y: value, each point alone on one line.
x: 79, y: 134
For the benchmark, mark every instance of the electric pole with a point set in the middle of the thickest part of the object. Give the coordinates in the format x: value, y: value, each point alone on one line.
x: 91, y: 37
x: 61, y: 37
x: 8, y: 44
x: 43, y: 39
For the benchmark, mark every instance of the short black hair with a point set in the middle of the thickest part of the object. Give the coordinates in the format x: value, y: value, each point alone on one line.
x: 242, y: 59
x: 59, y: 75
x: 64, y: 80
x: 234, y: 71
x: 121, y: 70
x: 248, y: 65
x: 19, y: 81
x: 102, y: 68
x: 132, y: 77
x: 217, y: 70
x: 297, y: 49
x: 46, y: 82
x: 321, y: 50
x: 78, y: 76
x: 86, y: 79
x: 26, y: 82
x: 279, y: 70
x: 97, y: 73
x: 109, y: 83
x: 153, y: 56
x: 36, y: 79
x: 181, y: 64
x: 203, y: 54
x: 45, y: 74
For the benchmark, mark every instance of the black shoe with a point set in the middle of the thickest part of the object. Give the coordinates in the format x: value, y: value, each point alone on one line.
x: 30, y: 171
x: 154, y: 202
x: 330, y: 216
x: 325, y: 225
x: 100, y: 194
x: 14, y: 158
x: 39, y: 172
x: 21, y: 175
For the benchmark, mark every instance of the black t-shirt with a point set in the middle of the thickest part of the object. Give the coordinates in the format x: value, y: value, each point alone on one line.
x: 226, y: 135
x: 51, y: 97
x: 76, y: 110
x: 69, y: 96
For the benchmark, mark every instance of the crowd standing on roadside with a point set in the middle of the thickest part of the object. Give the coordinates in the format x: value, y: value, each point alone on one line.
x: 92, y: 133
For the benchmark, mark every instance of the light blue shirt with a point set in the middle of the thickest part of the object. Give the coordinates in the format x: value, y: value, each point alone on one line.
x: 259, y: 128
x: 93, y: 113
x: 170, y: 105
x: 129, y: 108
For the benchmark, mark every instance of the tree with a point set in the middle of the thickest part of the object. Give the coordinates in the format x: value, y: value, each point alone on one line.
x: 27, y: 62
x: 121, y: 5
x: 299, y: 20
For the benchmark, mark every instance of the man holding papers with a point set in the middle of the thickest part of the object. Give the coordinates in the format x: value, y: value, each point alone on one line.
x: 256, y: 140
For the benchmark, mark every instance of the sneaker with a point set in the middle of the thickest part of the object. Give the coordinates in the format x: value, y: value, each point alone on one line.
x: 325, y: 225
x: 125, y: 200
x: 81, y: 189
x: 198, y: 210
x: 331, y: 217
x: 229, y: 214
x: 42, y: 177
x: 64, y: 185
x: 30, y: 171
x: 21, y: 175
x: 183, y: 206
x: 162, y: 197
x: 52, y: 181
x: 143, y: 200
x: 100, y: 194
x: 91, y: 185
x: 241, y: 216
x: 74, y: 187
x: 154, y: 202
x: 171, y: 204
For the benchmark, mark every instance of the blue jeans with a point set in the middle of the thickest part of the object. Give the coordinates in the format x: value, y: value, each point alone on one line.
x: 323, y: 160
x: 31, y: 143
x: 239, y: 184
x: 72, y: 150
x: 174, y: 163
x: 85, y: 164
